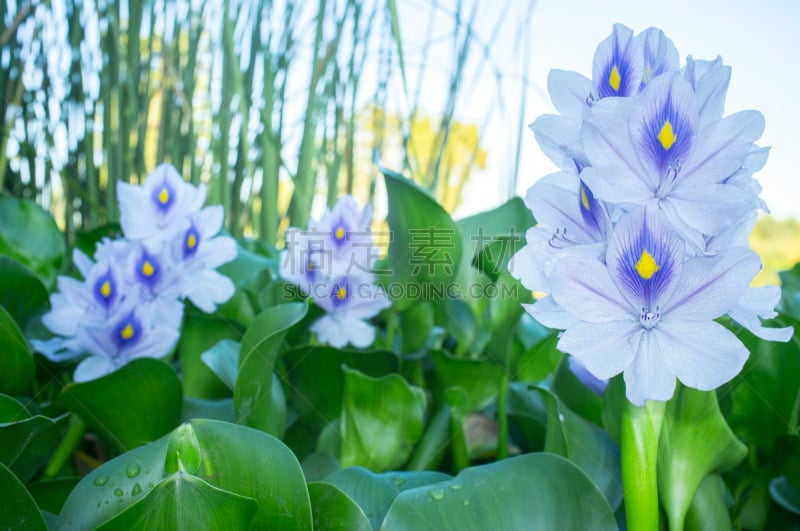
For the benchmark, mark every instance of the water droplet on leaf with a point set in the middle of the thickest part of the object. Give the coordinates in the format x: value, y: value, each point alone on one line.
x: 436, y: 494
x: 132, y: 470
x: 102, y: 480
x: 118, y: 492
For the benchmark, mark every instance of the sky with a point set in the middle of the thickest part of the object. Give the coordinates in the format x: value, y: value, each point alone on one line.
x: 754, y: 38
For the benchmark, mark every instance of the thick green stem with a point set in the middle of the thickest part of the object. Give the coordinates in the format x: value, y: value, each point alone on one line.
x: 68, y: 444
x: 641, y: 427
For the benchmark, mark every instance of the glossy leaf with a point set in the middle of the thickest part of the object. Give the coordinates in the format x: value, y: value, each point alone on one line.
x: 201, y: 333
x: 25, y: 440
x: 426, y: 247
x: 695, y: 441
x: 708, y: 509
x: 233, y: 458
x: 134, y: 405
x: 18, y: 510
x: 532, y: 491
x: 571, y: 436
x: 223, y: 360
x: 374, y: 493
x: 335, y: 510
x: 764, y: 395
x: 198, y: 408
x: 416, y: 323
x: 785, y: 494
x: 253, y: 391
x: 316, y: 379
x: 182, y: 502
x: 382, y: 418
x: 29, y: 235
x: 480, y: 379
x: 16, y: 359
x: 22, y: 294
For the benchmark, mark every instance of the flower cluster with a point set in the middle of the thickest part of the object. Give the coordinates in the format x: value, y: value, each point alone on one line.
x: 128, y: 304
x: 332, y: 263
x: 641, y: 240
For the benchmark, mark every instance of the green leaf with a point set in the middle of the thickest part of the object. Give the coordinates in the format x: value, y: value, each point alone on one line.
x: 416, y: 323
x: 16, y: 361
x: 532, y: 491
x: 695, y: 441
x: 136, y: 404
x: 182, y: 501
x: 764, y: 395
x: 785, y: 494
x: 18, y: 510
x: 374, y: 493
x: 382, y: 418
x: 25, y: 441
x: 708, y: 509
x: 571, y: 436
x: 479, y: 379
x: 199, y: 334
x: 223, y: 360
x: 21, y: 292
x: 253, y: 394
x: 29, y: 235
x: 199, y: 408
x: 333, y: 509
x: 316, y: 378
x: 540, y: 356
x: 426, y: 247
x: 505, y: 311
x: 790, y: 292
x: 230, y: 457
x: 50, y: 495
x: 575, y: 394
x: 502, y: 229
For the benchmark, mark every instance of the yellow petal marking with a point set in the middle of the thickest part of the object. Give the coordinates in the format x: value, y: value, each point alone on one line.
x: 127, y: 332
x: 148, y: 269
x: 584, y: 199
x: 163, y: 196
x: 646, y: 266
x: 191, y: 241
x: 339, y: 233
x: 666, y: 136
x: 614, y: 78
x: 105, y: 289
x: 341, y: 293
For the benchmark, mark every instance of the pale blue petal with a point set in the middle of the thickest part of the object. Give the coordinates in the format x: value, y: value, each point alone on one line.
x: 710, y: 81
x: 208, y: 288
x: 622, y: 52
x: 605, y: 349
x: 92, y: 368
x: 618, y: 175
x: 709, y: 208
x: 711, y: 286
x: 659, y: 53
x: 644, y: 234
x: 667, y: 99
x: 53, y: 349
x: 547, y: 311
x: 756, y: 304
x: 568, y: 91
x: 559, y: 139
x: 338, y: 331
x: 650, y: 376
x: 209, y: 220
x: 703, y: 355
x: 721, y: 148
x: 585, y: 289
x: 156, y: 343
x: 736, y: 234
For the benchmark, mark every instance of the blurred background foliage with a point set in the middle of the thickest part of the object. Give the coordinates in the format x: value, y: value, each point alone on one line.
x: 278, y: 106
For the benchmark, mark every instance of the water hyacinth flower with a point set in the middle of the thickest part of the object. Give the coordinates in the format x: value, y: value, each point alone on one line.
x: 331, y: 262
x: 642, y: 240
x: 650, y: 313
x: 129, y: 304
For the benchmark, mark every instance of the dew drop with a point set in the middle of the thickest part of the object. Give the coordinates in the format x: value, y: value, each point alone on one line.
x: 118, y: 492
x: 398, y: 480
x: 102, y: 480
x: 136, y: 489
x: 436, y: 494
x: 132, y: 470
x: 466, y: 502
x: 456, y: 487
